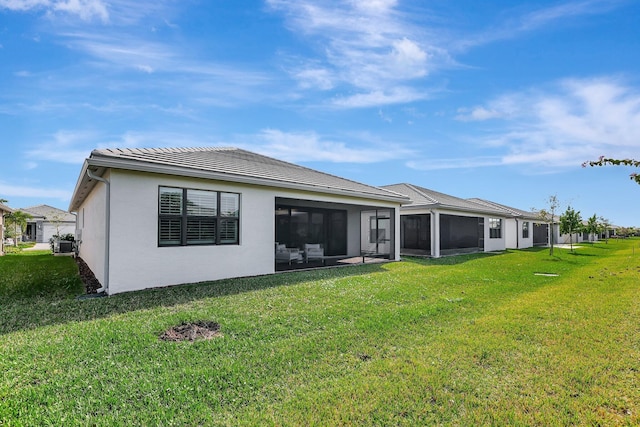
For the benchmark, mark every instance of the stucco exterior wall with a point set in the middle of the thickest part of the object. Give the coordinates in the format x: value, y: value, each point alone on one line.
x: 568, y: 238
x: 135, y: 260
x: 513, y: 234
x: 90, y: 231
x: 525, y: 242
x: 511, y: 228
x: 497, y: 243
x: 1, y: 232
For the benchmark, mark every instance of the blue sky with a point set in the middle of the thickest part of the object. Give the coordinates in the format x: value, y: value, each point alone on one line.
x: 501, y: 100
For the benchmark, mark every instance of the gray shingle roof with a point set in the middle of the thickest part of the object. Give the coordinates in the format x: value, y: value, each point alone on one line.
x: 511, y: 210
x: 424, y: 197
x: 5, y: 208
x: 227, y: 164
x: 48, y: 213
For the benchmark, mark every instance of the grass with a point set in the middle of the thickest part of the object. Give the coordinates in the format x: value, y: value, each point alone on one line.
x: 468, y: 340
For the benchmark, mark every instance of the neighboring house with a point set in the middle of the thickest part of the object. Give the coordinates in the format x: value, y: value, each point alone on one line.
x: 523, y: 229
x: 588, y: 237
x: 610, y: 232
x: 46, y: 222
x: 4, y: 210
x: 565, y: 239
x: 158, y: 217
x: 438, y: 224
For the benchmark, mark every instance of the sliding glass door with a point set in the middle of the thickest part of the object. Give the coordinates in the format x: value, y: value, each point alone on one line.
x: 376, y: 232
x: 296, y: 225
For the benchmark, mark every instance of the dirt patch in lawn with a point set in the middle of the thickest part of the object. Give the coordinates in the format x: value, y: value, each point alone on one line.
x: 192, y: 331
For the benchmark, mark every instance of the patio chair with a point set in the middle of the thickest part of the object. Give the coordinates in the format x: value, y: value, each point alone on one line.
x: 313, y: 251
x: 288, y: 255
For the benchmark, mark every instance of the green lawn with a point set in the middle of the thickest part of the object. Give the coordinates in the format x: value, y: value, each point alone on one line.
x: 468, y: 340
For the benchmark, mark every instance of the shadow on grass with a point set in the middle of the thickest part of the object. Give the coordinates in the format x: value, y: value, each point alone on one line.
x: 58, y: 306
x: 451, y: 259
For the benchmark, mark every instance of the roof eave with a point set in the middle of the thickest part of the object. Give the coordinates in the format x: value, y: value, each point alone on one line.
x: 454, y: 208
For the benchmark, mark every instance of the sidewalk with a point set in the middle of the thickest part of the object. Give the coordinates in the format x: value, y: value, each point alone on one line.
x: 39, y: 247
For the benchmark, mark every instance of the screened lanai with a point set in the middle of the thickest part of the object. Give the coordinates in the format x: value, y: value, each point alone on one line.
x: 313, y: 234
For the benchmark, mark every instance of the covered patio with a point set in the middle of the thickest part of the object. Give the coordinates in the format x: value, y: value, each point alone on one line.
x: 311, y: 234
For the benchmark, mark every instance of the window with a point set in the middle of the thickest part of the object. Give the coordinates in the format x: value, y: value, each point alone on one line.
x: 495, y: 228
x: 197, y: 217
x: 525, y: 230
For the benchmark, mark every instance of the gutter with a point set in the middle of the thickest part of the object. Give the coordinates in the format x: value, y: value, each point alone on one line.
x: 107, y: 216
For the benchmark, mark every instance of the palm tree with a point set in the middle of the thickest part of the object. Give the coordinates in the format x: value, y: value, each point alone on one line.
x: 18, y: 218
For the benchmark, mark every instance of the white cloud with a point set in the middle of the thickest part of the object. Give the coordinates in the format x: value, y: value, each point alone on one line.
x: 537, y: 19
x: 374, y: 6
x: 454, y: 163
x: 309, y: 146
x: 477, y: 113
x: 84, y: 9
x: 40, y: 192
x: 562, y: 11
x: 63, y: 147
x: 397, y: 95
x: 126, y: 51
x: 314, y: 78
x: 409, y: 59
x: 24, y: 5
x: 367, y: 45
x: 576, y: 120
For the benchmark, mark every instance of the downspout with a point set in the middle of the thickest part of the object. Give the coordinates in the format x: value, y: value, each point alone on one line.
x: 107, y: 215
x: 517, y: 234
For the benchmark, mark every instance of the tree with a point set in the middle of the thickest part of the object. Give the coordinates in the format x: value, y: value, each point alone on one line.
x: 624, y: 232
x: 570, y: 222
x: 602, y: 161
x: 56, y: 220
x: 18, y: 219
x: 549, y: 216
x: 604, y: 226
x: 592, y: 226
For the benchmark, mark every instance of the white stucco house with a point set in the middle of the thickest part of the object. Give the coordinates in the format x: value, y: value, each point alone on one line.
x: 4, y: 210
x: 158, y: 217
x: 523, y: 229
x: 47, y: 221
x: 437, y: 224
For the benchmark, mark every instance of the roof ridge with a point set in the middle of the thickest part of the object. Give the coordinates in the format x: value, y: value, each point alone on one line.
x: 41, y: 206
x: 422, y: 192
x: 510, y: 209
x: 163, y: 149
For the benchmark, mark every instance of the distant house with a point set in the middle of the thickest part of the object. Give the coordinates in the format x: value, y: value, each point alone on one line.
x: 46, y: 222
x: 4, y: 210
x: 610, y: 232
x: 523, y: 229
x: 157, y: 217
x: 437, y: 224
